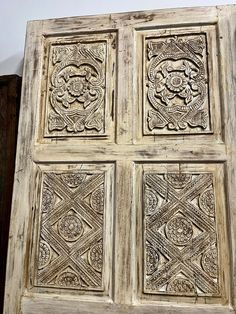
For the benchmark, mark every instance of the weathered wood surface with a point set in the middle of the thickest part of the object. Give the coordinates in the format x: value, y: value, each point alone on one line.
x: 10, y: 86
x: 124, y: 197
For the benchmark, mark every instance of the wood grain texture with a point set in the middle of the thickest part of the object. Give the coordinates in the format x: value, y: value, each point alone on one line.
x: 31, y: 305
x: 64, y: 127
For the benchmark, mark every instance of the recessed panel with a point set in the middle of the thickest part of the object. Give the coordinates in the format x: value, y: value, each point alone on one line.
x: 181, y: 248
x: 73, y: 248
x: 179, y: 89
x: 177, y: 84
x: 78, y: 86
x: 183, y: 232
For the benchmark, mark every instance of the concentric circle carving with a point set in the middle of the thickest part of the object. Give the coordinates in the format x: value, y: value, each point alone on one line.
x: 176, y: 81
x: 44, y: 254
x: 151, y: 201
x: 78, y: 86
x: 152, y: 260
x: 179, y: 230
x: 209, y: 262
x: 96, y: 256
x: 207, y: 202
x: 178, y: 180
x: 47, y: 199
x: 68, y: 279
x: 70, y: 227
x: 97, y: 200
x: 181, y: 285
x: 73, y: 180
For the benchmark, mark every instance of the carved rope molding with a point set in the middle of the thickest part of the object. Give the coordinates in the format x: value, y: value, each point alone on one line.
x: 70, y: 248
x: 77, y: 89
x: 180, y: 234
x: 177, y: 84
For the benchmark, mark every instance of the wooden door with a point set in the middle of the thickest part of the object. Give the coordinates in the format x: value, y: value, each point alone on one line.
x: 124, y: 196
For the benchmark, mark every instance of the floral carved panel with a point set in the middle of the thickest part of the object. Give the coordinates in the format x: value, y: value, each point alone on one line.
x: 70, y: 250
x: 180, y: 237
x: 79, y: 86
x: 176, y: 97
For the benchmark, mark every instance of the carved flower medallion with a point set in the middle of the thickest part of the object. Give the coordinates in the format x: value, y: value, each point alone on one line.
x: 152, y: 260
x: 68, y: 279
x: 44, y: 254
x: 70, y: 227
x: 207, y: 202
x: 77, y: 87
x: 47, y: 200
x: 96, y: 256
x: 209, y: 262
x: 179, y: 230
x: 73, y: 180
x: 151, y: 201
x: 178, y: 180
x: 176, y: 81
x: 181, y: 285
x: 97, y: 199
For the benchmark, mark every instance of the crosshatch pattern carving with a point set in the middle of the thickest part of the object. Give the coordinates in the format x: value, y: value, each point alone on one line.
x: 180, y: 234
x: 177, y: 81
x: 70, y: 248
x: 76, y: 91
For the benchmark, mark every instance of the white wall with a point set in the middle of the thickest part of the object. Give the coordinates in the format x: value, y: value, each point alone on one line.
x: 15, y: 13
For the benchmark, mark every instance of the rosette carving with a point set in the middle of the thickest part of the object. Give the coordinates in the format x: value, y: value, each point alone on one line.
x: 180, y: 285
x: 70, y: 227
x: 209, y: 262
x: 179, y: 230
x: 96, y: 256
x: 44, y: 254
x: 68, y: 279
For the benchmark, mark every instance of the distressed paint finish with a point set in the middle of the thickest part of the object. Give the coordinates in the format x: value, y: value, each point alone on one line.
x: 177, y: 72
x: 181, y: 251
x: 78, y: 86
x: 124, y: 144
x: 70, y: 245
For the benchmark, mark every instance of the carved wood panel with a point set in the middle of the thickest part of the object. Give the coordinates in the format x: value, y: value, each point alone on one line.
x: 182, y: 212
x: 179, y: 90
x: 181, y: 242
x: 177, y: 83
x: 70, y: 248
x: 79, y: 92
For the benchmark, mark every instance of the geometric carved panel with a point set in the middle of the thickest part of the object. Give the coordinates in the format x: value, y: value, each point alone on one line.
x: 70, y: 251
x: 181, y: 249
x: 77, y: 88
x: 177, y: 83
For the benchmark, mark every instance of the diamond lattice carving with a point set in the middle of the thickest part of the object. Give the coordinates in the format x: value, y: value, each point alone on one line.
x: 70, y: 248
x: 180, y: 234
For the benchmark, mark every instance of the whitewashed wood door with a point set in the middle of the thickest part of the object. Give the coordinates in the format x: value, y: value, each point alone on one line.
x: 124, y: 196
